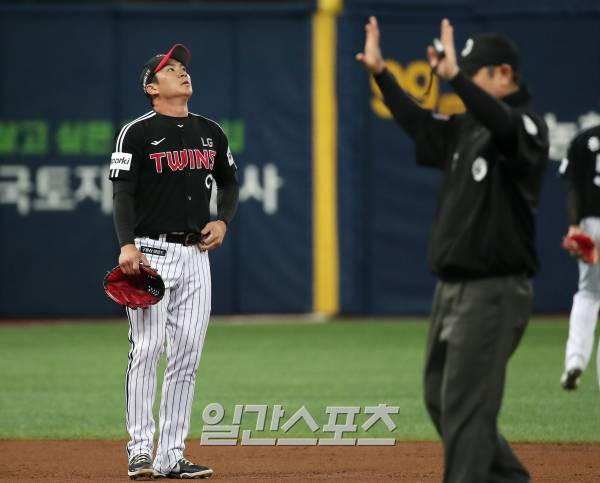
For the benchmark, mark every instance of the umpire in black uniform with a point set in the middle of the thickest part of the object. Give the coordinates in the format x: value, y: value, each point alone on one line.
x: 482, y: 244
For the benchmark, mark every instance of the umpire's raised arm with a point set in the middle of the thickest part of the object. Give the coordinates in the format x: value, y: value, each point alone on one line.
x: 481, y: 89
x: 406, y: 112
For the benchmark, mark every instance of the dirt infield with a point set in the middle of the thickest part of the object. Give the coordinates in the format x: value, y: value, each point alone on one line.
x: 410, y: 462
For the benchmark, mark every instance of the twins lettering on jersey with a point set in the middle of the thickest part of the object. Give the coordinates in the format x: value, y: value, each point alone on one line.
x: 184, y: 158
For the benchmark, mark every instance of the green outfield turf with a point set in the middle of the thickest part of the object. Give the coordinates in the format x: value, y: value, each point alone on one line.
x: 66, y: 380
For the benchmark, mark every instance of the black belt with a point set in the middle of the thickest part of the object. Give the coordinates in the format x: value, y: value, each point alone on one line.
x: 186, y: 239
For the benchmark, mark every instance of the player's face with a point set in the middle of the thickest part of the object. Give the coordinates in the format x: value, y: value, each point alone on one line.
x: 174, y: 80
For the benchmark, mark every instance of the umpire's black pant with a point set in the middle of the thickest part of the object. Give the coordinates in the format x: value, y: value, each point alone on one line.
x: 475, y: 327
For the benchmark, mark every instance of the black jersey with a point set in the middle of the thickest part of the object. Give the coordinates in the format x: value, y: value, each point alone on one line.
x: 485, y: 225
x: 485, y: 222
x: 169, y: 164
x: 581, y: 167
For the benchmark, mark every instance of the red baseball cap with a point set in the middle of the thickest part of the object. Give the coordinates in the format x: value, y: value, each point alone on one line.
x: 178, y: 52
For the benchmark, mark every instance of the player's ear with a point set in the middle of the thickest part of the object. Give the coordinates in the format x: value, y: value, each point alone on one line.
x: 152, y: 89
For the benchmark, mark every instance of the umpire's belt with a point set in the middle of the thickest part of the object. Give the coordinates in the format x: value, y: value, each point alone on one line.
x: 186, y: 239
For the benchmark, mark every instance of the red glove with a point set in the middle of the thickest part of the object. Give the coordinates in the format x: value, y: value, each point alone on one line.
x: 139, y: 290
x: 582, y: 246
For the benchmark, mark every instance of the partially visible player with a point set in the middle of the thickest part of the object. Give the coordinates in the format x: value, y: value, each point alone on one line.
x: 163, y: 168
x: 581, y: 168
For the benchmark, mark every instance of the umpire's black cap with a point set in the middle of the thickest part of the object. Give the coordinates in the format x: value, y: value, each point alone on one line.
x: 178, y: 52
x: 486, y: 50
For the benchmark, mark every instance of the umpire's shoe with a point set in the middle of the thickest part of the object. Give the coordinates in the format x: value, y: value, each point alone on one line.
x: 570, y: 379
x: 140, y: 467
x: 187, y: 470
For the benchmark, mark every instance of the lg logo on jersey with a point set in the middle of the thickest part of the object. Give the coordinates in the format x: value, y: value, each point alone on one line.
x: 185, y: 158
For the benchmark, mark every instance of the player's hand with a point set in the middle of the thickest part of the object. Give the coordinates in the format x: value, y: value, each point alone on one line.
x: 371, y: 58
x: 212, y: 235
x: 447, y: 68
x: 130, y: 258
x: 574, y: 230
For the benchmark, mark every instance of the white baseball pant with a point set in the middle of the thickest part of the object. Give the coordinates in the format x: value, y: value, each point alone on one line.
x: 584, y: 313
x: 181, y: 318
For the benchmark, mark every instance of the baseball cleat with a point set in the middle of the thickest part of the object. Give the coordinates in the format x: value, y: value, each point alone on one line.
x: 187, y: 470
x: 570, y: 379
x: 140, y: 468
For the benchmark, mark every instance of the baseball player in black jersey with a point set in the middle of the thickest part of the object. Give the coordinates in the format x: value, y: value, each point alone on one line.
x: 581, y: 168
x: 482, y: 249
x: 163, y: 168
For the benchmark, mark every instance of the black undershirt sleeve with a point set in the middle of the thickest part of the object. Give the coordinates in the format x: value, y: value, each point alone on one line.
x: 491, y: 112
x: 228, y: 186
x: 124, y: 212
x: 573, y: 205
x: 228, y: 193
x: 405, y: 110
x: 574, y: 183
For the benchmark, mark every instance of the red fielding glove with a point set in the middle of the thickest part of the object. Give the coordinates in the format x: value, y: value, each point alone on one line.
x: 581, y: 246
x: 134, y: 291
